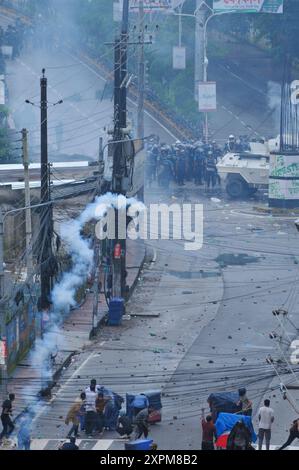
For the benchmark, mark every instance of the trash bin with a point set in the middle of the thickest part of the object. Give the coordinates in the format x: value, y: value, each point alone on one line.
x: 140, y: 444
x: 116, y: 311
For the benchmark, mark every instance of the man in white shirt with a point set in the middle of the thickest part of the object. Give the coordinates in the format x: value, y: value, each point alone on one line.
x: 266, y: 418
x: 90, y: 407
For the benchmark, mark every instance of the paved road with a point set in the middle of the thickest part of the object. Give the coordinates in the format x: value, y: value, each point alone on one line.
x: 212, y: 332
x: 76, y: 125
x: 215, y: 305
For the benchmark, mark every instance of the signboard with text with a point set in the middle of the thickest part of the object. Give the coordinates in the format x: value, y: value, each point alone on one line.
x: 207, y: 100
x: 179, y: 58
x: 151, y: 5
x: 148, y: 5
x: 248, y: 6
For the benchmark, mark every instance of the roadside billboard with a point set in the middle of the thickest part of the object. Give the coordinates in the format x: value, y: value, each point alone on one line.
x: 207, y: 99
x: 248, y: 6
x: 151, y: 5
x: 179, y: 58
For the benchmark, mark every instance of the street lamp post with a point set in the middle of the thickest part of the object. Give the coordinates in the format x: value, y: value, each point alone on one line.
x: 205, y: 61
x: 206, y: 64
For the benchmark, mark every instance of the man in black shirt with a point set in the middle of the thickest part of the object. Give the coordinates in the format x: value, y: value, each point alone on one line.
x: 7, y: 423
x: 70, y: 445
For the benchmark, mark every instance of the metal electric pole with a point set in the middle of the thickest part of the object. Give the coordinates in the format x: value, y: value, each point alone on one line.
x: 46, y: 224
x: 119, y: 155
x: 29, y: 251
x: 2, y: 312
x: 200, y: 19
x: 141, y: 74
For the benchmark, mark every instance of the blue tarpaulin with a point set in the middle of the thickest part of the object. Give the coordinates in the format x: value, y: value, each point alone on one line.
x: 226, y: 421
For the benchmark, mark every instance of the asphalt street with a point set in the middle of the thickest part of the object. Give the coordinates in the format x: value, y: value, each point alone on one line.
x: 85, y: 115
x: 212, y: 333
x: 207, y: 314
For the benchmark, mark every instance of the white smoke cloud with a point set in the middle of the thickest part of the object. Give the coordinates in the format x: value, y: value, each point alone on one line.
x: 274, y: 103
x: 63, y: 293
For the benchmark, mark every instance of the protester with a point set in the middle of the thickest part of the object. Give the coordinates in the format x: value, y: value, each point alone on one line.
x: 6, y: 421
x: 294, y: 434
x: 82, y: 412
x: 208, y: 431
x: 73, y: 417
x: 70, y: 445
x: 245, y: 403
x: 139, y: 403
x: 266, y: 418
x: 90, y: 407
x: 100, y: 405
x: 124, y: 425
x: 24, y: 433
x: 141, y: 422
x: 239, y: 437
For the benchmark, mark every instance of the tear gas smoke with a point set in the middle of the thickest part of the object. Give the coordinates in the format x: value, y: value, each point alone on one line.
x: 274, y: 103
x: 63, y: 293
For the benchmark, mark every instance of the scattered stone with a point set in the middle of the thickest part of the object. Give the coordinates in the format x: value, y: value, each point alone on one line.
x: 244, y: 359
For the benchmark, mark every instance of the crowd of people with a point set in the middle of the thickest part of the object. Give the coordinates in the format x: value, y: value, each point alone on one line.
x: 98, y: 409
x: 189, y: 162
x: 240, y: 436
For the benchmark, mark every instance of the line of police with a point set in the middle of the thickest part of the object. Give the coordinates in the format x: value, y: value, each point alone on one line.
x: 192, y: 161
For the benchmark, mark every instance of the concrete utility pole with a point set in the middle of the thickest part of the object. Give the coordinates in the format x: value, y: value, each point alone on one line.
x: 46, y: 218
x: 97, y: 250
x: 2, y: 308
x: 200, y: 18
x: 95, y: 308
x: 119, y: 156
x: 29, y: 248
x: 141, y: 73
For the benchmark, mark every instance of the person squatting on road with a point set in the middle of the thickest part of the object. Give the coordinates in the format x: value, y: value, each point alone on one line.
x: 6, y: 421
x: 208, y: 431
x: 124, y: 425
x: 142, y: 425
x: 294, y: 434
x: 266, y: 418
x: 239, y: 437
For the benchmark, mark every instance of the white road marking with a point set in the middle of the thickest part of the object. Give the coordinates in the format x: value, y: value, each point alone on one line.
x: 103, y: 445
x: 40, y: 444
x: 64, y: 386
